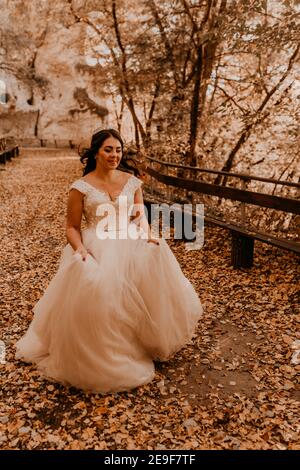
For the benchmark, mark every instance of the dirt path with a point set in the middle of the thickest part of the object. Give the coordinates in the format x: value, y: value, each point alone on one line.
x: 233, y: 386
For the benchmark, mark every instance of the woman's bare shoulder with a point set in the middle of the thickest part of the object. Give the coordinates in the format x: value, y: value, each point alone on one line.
x: 81, y: 185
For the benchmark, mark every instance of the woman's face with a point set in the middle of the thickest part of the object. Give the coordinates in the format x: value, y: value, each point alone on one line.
x: 110, y: 153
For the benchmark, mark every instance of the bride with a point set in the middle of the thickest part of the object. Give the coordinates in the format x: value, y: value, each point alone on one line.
x: 119, y: 299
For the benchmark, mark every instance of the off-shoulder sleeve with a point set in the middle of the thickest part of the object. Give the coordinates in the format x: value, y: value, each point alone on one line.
x: 80, y: 186
x: 136, y: 183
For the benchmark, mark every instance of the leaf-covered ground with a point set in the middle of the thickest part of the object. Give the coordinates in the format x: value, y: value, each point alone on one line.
x: 233, y: 387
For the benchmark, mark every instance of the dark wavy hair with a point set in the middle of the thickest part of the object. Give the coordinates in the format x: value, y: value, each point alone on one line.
x: 88, y: 155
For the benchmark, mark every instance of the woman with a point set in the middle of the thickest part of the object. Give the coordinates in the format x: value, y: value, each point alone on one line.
x: 119, y: 299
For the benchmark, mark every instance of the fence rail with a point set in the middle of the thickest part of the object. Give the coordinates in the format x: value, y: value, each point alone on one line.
x: 241, y: 176
x: 249, y: 197
x: 242, y: 237
x: 47, y: 143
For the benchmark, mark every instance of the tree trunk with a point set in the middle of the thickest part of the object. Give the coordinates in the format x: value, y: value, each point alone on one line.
x: 151, y: 113
x: 36, y: 127
x: 192, y: 160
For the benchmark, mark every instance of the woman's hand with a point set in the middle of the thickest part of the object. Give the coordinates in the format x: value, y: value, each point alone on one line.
x: 83, y: 252
x: 153, y: 240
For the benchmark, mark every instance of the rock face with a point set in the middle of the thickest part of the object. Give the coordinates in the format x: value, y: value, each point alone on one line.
x: 47, y: 89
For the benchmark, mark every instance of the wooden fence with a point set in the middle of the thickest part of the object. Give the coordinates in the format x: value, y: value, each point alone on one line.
x: 242, y: 237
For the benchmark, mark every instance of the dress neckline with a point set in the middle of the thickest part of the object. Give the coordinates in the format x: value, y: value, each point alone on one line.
x: 104, y: 191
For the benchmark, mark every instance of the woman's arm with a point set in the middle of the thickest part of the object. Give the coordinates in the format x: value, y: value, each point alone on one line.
x: 74, y: 215
x: 140, y: 216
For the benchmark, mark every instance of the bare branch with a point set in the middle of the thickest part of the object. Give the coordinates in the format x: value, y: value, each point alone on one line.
x: 247, y: 129
x: 231, y: 99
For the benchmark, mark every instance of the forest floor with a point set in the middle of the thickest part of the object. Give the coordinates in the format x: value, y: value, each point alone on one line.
x: 234, y: 386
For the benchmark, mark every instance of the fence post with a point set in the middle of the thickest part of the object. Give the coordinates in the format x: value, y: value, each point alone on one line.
x: 243, y: 204
x: 242, y: 250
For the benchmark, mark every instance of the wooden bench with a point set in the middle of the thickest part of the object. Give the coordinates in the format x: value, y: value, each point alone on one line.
x: 8, y: 149
x: 242, y: 238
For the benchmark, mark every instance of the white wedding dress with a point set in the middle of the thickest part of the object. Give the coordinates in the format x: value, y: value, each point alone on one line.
x: 101, y: 322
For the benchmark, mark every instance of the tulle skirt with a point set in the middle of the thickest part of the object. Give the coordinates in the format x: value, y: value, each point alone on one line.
x: 101, y: 322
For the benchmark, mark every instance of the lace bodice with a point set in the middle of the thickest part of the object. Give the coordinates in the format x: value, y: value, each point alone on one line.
x: 97, y: 202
